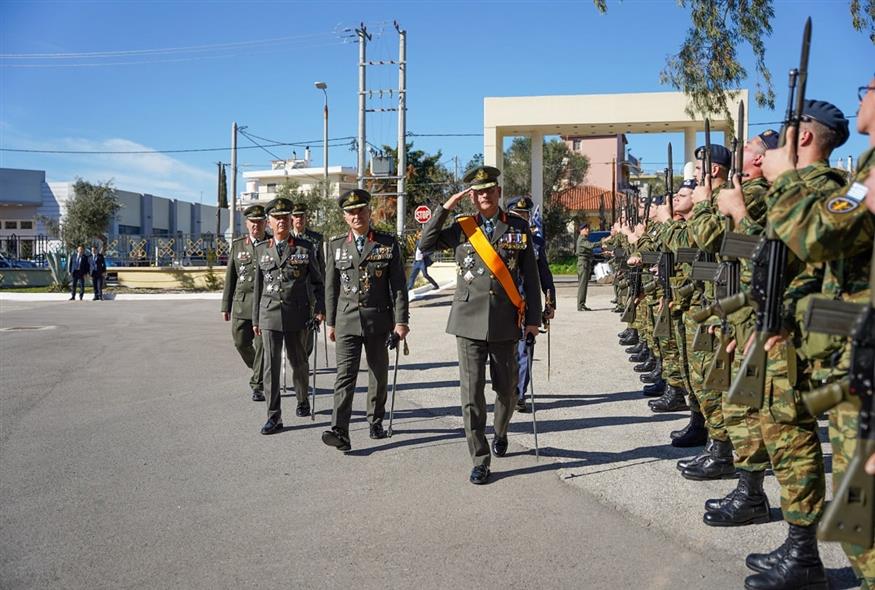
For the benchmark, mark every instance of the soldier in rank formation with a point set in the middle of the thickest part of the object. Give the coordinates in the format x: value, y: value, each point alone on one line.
x: 712, y: 337
x: 720, y: 289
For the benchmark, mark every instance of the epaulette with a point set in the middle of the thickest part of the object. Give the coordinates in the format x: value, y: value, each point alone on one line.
x: 243, y: 237
x: 461, y: 215
x: 338, y: 237
x: 385, y: 234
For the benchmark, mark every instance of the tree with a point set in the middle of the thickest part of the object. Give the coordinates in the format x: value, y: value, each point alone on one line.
x: 89, y: 213
x: 324, y: 214
x: 706, y: 67
x: 561, y: 166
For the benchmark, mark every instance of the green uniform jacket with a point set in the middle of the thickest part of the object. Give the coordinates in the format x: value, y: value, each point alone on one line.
x: 240, y: 279
x: 481, y: 308
x: 367, y: 293
x: 584, y: 251
x: 281, y: 299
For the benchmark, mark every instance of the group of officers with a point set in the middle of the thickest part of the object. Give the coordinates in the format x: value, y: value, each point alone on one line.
x: 279, y: 288
x: 827, y: 222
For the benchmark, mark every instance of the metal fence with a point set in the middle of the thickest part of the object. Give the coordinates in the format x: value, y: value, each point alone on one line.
x: 127, y: 250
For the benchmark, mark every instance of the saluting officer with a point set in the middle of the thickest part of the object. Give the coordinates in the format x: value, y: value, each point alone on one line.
x: 237, y: 296
x: 300, y: 230
x: 366, y: 298
x: 494, y: 253
x: 287, y: 266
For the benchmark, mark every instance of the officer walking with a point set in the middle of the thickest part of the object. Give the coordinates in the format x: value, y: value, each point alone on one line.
x: 366, y: 298
x: 281, y: 312
x: 237, y: 296
x: 584, y: 266
x: 494, y: 254
x: 300, y: 222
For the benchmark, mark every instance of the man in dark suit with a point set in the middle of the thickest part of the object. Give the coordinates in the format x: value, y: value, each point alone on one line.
x: 281, y: 313
x: 98, y: 271
x: 79, y: 268
x: 366, y: 299
x: 495, y: 255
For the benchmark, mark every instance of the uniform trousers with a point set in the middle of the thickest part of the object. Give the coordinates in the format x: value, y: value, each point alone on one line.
x: 273, y: 365
x: 251, y: 351
x: 503, y: 368
x: 349, y: 357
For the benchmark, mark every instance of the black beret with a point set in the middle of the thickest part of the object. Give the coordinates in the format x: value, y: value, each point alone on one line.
x: 827, y: 114
x: 719, y: 154
x: 689, y: 183
x: 521, y: 205
x: 769, y: 137
x: 354, y: 199
x: 482, y: 177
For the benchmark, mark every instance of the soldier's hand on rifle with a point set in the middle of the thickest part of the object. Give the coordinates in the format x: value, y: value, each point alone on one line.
x: 661, y: 305
x: 733, y: 344
x: 533, y: 330
x: 329, y: 332
x: 774, y: 341
x: 633, y: 261
x: 870, y: 465
x: 454, y: 200
x: 402, y: 331
x: 730, y: 201
x: 780, y: 160
x: 702, y: 194
x: 226, y: 316
x: 870, y: 196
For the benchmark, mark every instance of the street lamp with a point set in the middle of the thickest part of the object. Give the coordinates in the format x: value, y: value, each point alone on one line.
x: 324, y: 88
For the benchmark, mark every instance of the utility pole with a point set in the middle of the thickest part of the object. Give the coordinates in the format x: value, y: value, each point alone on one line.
x: 401, y: 209
x: 363, y: 37
x: 233, y: 212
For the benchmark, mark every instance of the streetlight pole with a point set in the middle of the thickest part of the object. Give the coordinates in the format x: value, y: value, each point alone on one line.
x: 324, y: 88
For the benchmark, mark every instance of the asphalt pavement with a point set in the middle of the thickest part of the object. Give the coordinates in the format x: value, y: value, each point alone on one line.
x: 130, y: 457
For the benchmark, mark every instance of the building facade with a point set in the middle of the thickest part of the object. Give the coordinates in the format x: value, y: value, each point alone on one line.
x: 262, y: 185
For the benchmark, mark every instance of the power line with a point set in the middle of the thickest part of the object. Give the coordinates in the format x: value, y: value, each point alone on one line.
x: 172, y: 151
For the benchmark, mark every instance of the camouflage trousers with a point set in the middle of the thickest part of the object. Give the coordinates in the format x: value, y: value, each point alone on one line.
x: 844, y: 422
x: 672, y: 361
x: 790, y: 435
x: 743, y: 422
x: 710, y: 401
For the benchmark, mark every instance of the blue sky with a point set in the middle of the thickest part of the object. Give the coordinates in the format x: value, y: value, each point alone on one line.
x: 256, y: 63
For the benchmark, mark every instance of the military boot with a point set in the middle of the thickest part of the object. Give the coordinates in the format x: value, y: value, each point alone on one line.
x: 648, y: 365
x: 641, y: 356
x: 694, y: 434
x: 671, y: 401
x: 624, y: 333
x: 635, y: 349
x: 654, y: 375
x: 799, y: 568
x: 655, y: 389
x: 701, y: 457
x: 631, y: 339
x: 748, y: 503
x: 763, y: 562
x: 718, y: 466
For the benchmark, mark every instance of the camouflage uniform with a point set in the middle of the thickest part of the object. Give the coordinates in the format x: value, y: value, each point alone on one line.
x: 837, y: 230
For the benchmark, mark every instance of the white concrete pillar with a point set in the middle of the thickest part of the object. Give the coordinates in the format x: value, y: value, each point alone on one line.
x: 537, y: 169
x: 689, y: 144
x: 493, y: 150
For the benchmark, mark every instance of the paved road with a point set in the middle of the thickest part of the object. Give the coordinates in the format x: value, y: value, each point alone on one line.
x: 130, y: 457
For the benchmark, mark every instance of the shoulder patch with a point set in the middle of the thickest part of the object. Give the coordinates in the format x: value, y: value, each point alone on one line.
x: 841, y: 204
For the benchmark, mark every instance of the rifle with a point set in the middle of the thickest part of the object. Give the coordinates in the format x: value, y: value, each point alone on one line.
x: 669, y: 184
x: 703, y: 270
x: 648, y: 201
x: 634, y: 282
x: 850, y: 517
x: 706, y: 156
x: 662, y: 326
x: 770, y: 263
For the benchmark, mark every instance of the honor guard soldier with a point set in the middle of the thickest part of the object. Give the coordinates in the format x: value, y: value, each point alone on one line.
x: 237, y: 296
x: 300, y: 230
x: 281, y: 312
x: 495, y: 255
x: 366, y: 299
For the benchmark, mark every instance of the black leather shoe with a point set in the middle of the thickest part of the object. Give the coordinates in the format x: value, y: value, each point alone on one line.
x: 654, y: 375
x: 624, y: 333
x: 377, y: 431
x: 693, y: 434
x: 763, y: 562
x: 718, y: 466
x: 640, y: 357
x: 257, y: 396
x: 480, y: 475
x: 748, y: 503
x: 303, y: 409
x: 272, y: 426
x: 72, y: 298
x: 800, y: 566
x: 635, y: 349
x: 713, y: 504
x: 684, y: 463
x: 521, y: 406
x: 630, y: 340
x: 672, y: 401
x: 336, y: 438
x: 499, y: 446
x: 654, y: 389
x: 648, y: 365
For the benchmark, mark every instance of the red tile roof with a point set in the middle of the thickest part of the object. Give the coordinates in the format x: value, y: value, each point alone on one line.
x: 583, y: 198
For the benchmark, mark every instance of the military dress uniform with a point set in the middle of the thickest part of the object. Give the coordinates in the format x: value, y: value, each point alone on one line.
x: 317, y: 240
x: 281, y: 309
x: 366, y: 294
x: 237, y: 300
x: 584, y: 269
x: 484, y: 320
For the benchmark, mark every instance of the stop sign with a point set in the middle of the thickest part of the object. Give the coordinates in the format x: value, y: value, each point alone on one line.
x: 422, y: 214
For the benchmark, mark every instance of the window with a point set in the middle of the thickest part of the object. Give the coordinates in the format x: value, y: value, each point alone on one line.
x: 10, y: 225
x: 160, y: 232
x: 25, y: 225
x: 575, y: 144
x: 271, y: 188
x: 128, y: 230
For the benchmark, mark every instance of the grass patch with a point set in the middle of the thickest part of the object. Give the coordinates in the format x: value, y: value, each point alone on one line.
x: 566, y: 265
